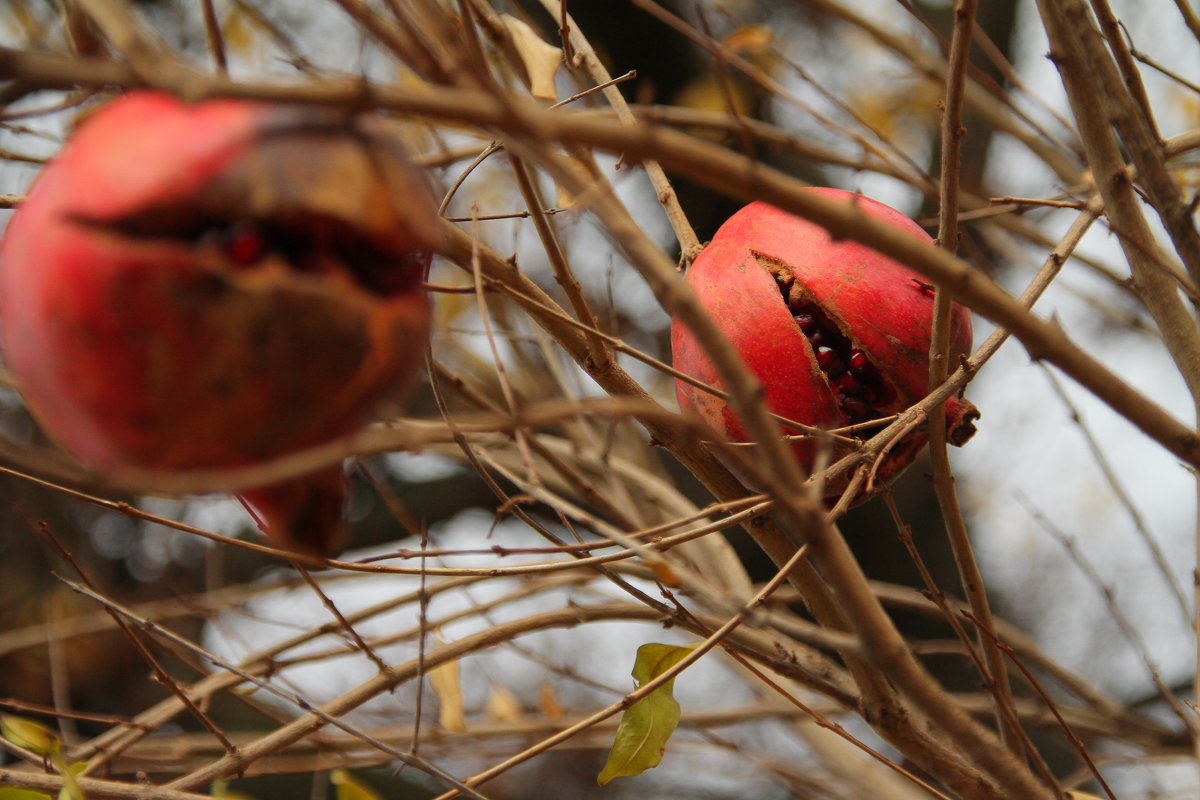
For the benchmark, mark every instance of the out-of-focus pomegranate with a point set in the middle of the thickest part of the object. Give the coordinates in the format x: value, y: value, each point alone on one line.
x: 217, y: 284
x: 836, y: 332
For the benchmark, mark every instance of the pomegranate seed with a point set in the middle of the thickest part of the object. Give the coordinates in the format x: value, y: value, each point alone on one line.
x: 245, y: 244
x: 816, y: 337
x: 806, y: 322
x: 847, y: 383
x: 858, y: 359
x: 830, y: 362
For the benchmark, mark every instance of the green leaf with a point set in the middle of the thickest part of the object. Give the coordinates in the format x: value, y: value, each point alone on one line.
x: 70, y: 787
x: 22, y: 794
x: 38, y: 738
x: 351, y: 788
x: 29, y: 734
x: 646, y: 725
x: 221, y: 791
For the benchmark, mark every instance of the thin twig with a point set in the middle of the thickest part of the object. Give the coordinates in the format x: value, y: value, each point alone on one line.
x: 1157, y: 555
x: 212, y: 30
x: 576, y: 41
x: 714, y: 639
x: 1127, y: 628
x: 969, y: 574
x: 1004, y: 704
x: 160, y: 673
x: 1050, y: 704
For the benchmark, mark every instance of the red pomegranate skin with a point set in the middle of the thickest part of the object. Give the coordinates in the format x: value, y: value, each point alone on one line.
x: 216, y: 284
x: 874, y: 305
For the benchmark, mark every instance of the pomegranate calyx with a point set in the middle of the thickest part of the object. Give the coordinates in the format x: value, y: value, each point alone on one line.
x: 961, y: 414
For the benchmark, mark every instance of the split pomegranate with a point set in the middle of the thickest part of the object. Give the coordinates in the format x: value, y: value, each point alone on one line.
x: 836, y: 332
x: 215, y: 285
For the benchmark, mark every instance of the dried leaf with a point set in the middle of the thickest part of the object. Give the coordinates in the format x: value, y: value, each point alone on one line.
x: 444, y: 682
x: 238, y: 31
x: 351, y: 788
x: 888, y: 110
x: 503, y: 705
x: 664, y: 573
x: 563, y: 198
x: 646, y: 726
x: 749, y: 39
x: 548, y: 703
x: 541, y: 60
x: 707, y: 94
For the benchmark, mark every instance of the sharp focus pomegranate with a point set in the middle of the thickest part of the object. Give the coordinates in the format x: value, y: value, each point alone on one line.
x: 836, y: 332
x: 214, y: 285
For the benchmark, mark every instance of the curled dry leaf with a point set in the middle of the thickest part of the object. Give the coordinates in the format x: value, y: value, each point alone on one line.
x: 541, y: 60
x: 503, y: 705
x: 443, y: 679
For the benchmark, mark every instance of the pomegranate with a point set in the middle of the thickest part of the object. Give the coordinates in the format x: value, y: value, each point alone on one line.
x: 215, y: 285
x: 836, y: 332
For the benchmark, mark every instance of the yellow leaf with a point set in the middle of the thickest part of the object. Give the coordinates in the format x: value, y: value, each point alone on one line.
x: 70, y: 788
x: 750, y: 39
x: 706, y: 94
x: 646, y: 725
x: 886, y: 110
x: 29, y: 734
x: 351, y: 788
x: 541, y: 60
x: 664, y: 573
x: 503, y: 705
x: 221, y: 791
x: 238, y: 31
x: 444, y: 682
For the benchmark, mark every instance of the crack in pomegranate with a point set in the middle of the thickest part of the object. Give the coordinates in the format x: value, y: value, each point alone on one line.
x: 308, y: 242
x: 315, y: 244
x: 857, y: 383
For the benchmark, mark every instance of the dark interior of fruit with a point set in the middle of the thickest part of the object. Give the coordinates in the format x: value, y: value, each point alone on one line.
x: 857, y: 383
x: 310, y: 243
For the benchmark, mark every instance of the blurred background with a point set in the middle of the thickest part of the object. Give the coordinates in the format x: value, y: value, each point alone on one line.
x: 1084, y: 528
